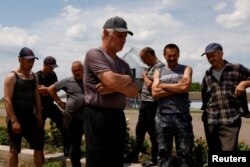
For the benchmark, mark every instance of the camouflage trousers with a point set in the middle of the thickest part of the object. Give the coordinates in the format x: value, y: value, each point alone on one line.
x: 178, y: 127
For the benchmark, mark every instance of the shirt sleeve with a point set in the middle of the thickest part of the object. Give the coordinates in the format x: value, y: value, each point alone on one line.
x: 96, y: 62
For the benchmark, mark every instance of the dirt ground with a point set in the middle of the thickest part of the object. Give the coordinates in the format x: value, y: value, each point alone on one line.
x: 132, y: 116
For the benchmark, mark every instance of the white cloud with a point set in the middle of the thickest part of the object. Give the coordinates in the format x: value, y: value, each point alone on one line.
x: 71, y: 13
x: 68, y: 34
x: 14, y: 36
x: 76, y: 31
x: 220, y: 6
x: 239, y: 17
x: 168, y: 3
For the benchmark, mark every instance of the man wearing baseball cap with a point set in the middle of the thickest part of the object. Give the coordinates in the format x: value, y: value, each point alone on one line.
x: 224, y: 100
x: 48, y: 77
x: 21, y: 97
x: 107, y: 82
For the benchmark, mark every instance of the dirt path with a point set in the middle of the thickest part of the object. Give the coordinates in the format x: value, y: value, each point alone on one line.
x: 132, y: 115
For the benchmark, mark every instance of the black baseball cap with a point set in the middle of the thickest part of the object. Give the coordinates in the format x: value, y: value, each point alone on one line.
x: 49, y: 60
x: 118, y: 24
x: 27, y: 53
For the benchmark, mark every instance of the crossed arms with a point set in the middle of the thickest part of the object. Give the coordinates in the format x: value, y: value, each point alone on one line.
x: 167, y: 89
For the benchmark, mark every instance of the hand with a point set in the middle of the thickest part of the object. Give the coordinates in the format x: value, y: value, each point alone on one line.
x: 16, y: 127
x: 42, y: 90
x: 240, y: 89
x: 102, y: 89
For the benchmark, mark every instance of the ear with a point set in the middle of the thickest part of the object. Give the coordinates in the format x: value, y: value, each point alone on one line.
x: 106, y: 32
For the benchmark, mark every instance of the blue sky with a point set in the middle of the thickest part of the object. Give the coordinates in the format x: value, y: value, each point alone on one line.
x: 66, y: 29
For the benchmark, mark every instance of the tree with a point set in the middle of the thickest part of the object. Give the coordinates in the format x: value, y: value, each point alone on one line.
x: 195, y: 87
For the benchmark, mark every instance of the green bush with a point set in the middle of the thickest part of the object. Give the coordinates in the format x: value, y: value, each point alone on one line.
x: 3, y: 136
x: 200, y: 153
x: 130, y: 143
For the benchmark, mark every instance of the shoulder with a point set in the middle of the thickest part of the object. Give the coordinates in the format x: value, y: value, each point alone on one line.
x: 93, y: 53
x: 11, y: 77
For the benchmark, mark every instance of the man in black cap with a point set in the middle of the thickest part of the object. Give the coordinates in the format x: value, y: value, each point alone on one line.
x: 46, y: 78
x: 224, y: 100
x: 107, y: 82
x: 21, y: 97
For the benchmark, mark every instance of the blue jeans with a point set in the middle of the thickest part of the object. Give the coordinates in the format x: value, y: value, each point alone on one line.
x: 179, y: 127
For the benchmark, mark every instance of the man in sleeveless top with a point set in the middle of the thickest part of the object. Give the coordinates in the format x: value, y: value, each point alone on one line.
x: 224, y: 100
x: 23, y: 107
x: 47, y: 77
x: 173, y: 120
x: 73, y: 109
x: 107, y: 82
x: 146, y: 119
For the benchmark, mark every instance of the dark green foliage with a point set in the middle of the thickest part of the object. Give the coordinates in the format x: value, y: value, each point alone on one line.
x: 195, y: 87
x: 3, y: 136
x: 55, y: 134
x: 130, y: 143
x: 200, y: 153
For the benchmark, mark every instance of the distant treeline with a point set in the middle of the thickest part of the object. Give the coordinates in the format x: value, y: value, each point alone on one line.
x: 195, y: 87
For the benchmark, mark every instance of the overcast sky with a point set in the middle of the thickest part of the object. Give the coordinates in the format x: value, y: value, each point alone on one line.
x: 66, y: 29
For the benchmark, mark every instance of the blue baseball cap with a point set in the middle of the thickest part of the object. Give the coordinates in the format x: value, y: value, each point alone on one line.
x: 212, y: 47
x: 27, y: 53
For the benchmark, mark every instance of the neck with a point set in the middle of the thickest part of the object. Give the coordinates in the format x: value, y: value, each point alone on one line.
x: 172, y: 66
x: 219, y: 66
x: 108, y: 50
x: 24, y: 72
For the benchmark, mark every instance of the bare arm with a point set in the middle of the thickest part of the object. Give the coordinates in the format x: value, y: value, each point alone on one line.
x: 241, y: 87
x: 182, y: 86
x: 53, y: 93
x: 147, y: 81
x: 38, y: 106
x: 9, y: 83
x: 156, y: 90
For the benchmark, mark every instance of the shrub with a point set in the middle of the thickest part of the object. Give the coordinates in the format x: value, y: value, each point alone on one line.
x: 200, y: 153
x: 130, y: 143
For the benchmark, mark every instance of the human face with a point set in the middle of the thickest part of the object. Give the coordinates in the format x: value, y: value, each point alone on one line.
x: 26, y: 64
x: 77, y: 71
x: 171, y: 56
x: 216, y: 59
x: 116, y: 41
x: 146, y: 58
x: 48, y: 68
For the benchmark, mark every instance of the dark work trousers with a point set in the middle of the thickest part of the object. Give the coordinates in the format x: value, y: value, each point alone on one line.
x: 105, y: 132
x: 222, y: 137
x: 179, y: 127
x: 74, y: 129
x: 55, y: 114
x: 146, y: 123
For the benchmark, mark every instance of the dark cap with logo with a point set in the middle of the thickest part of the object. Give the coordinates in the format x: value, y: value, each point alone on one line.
x: 118, y: 24
x: 212, y: 47
x: 27, y: 53
x: 49, y: 60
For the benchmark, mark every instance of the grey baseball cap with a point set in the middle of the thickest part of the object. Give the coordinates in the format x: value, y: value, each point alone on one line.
x: 212, y: 47
x: 118, y: 24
